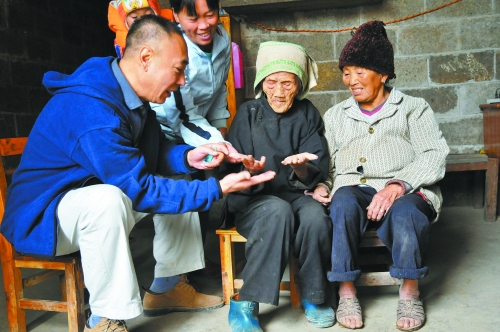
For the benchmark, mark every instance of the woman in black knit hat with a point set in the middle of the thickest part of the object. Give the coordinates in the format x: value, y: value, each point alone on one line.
x: 386, y: 153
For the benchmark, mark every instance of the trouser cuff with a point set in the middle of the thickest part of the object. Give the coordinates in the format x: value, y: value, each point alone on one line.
x: 343, y: 276
x: 408, y: 274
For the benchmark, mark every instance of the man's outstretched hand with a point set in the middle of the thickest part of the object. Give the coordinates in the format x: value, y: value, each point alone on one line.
x: 243, y: 180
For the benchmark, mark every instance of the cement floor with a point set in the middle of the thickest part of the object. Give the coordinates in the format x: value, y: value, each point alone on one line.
x: 460, y: 294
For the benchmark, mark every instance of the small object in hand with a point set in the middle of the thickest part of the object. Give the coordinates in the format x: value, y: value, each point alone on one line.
x: 209, y: 157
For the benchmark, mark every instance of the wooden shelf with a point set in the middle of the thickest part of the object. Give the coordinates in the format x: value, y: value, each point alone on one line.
x: 238, y: 7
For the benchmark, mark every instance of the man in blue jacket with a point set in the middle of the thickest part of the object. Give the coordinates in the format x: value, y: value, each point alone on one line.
x: 88, y: 171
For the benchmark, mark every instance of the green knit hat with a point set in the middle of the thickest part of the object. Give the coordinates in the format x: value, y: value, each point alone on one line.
x: 274, y: 56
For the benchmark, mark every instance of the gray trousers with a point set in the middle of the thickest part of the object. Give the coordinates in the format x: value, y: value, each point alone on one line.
x: 269, y: 223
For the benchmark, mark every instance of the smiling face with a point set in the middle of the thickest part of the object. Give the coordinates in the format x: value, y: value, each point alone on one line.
x: 164, y: 68
x: 199, y: 28
x: 137, y: 14
x: 367, y: 86
x: 280, y: 89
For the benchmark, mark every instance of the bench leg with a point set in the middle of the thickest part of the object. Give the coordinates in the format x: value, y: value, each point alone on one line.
x: 490, y: 210
x: 227, y: 266
x: 293, y: 265
x: 478, y: 190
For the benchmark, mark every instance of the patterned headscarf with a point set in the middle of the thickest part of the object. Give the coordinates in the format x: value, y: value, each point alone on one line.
x: 125, y: 7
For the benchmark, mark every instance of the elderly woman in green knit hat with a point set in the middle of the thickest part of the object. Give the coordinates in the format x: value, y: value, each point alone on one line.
x: 284, y: 132
x: 387, y: 151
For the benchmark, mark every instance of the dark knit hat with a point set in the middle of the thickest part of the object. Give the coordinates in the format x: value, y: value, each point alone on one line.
x: 369, y: 48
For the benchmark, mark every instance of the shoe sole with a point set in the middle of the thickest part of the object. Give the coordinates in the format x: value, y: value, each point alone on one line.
x: 162, y: 312
x: 322, y: 323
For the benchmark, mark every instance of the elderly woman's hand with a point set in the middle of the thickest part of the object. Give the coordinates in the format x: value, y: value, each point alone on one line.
x: 383, y: 200
x: 233, y: 156
x: 252, y: 165
x: 298, y: 163
x: 322, y: 195
x: 299, y: 159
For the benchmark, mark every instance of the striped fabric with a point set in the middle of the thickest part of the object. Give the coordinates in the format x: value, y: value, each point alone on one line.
x: 403, y: 143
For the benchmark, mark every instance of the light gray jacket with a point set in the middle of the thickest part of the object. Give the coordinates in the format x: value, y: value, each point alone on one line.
x: 203, y: 96
x: 403, y: 143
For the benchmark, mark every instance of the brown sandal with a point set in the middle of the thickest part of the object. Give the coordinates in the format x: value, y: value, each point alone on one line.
x: 348, y: 307
x: 411, y: 309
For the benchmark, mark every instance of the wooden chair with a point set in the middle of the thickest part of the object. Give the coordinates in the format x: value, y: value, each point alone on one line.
x: 227, y: 238
x: 67, y: 268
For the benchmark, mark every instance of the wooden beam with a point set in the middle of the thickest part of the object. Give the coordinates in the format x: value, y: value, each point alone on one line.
x: 44, y: 305
x: 377, y: 279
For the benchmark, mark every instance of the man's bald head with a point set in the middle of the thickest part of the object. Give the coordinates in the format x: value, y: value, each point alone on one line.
x: 155, y: 58
x: 150, y: 29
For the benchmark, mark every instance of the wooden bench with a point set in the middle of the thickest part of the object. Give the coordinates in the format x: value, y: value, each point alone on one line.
x: 227, y: 238
x: 67, y: 268
x: 479, y: 162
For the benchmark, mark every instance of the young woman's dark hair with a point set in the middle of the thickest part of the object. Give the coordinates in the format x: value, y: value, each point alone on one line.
x: 190, y: 5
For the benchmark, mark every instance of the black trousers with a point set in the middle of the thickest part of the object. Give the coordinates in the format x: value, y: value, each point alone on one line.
x: 269, y: 223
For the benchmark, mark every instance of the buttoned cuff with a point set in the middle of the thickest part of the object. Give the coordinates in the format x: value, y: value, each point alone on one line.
x: 324, y: 185
x: 405, y: 186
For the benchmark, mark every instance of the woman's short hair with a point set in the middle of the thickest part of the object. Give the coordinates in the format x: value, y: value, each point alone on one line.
x: 190, y: 5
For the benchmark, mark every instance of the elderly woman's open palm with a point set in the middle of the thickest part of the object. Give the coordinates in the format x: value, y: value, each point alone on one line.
x: 299, y: 159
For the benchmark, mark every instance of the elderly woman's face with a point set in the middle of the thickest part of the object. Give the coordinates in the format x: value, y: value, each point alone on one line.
x: 280, y: 89
x: 366, y: 85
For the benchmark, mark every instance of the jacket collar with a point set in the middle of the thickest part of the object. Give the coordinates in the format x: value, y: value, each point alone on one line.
x: 138, y: 109
x: 131, y: 99
x: 351, y: 107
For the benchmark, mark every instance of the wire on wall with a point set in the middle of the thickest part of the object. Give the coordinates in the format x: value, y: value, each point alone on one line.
x: 351, y: 29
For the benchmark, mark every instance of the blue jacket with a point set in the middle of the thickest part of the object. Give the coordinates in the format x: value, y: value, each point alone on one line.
x: 202, y: 99
x: 91, y: 130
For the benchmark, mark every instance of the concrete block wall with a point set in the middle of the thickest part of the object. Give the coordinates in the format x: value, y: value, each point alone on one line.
x: 450, y: 57
x: 41, y: 35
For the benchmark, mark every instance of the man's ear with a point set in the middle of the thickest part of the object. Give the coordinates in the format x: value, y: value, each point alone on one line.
x: 176, y: 18
x: 146, y: 54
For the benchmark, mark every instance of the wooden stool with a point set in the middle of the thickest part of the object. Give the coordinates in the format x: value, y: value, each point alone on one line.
x: 227, y: 237
x: 67, y: 268
x: 371, y: 240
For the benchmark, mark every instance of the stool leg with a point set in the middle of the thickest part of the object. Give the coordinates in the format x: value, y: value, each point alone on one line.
x: 13, y: 286
x: 62, y: 283
x: 293, y: 265
x: 74, y: 296
x: 227, y: 266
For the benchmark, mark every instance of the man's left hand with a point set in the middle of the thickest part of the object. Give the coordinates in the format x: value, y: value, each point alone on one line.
x: 209, y: 156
